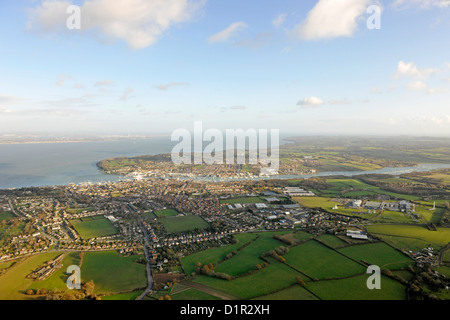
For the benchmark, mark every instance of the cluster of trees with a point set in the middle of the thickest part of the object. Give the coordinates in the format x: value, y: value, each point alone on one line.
x: 208, y: 269
x: 425, y: 277
x: 445, y: 220
x: 86, y: 292
x: 287, y: 239
x: 277, y: 254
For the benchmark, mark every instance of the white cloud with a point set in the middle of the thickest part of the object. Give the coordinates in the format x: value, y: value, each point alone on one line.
x: 227, y: 33
x: 423, y: 4
x: 310, y: 102
x: 410, y: 70
x: 375, y: 90
x: 104, y: 83
x: 417, y: 85
x: 137, y: 22
x: 165, y: 87
x: 127, y: 94
x: 279, y: 20
x: 61, y: 79
x: 332, y: 19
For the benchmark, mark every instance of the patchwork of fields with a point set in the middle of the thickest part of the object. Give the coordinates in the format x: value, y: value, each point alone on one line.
x: 327, y: 273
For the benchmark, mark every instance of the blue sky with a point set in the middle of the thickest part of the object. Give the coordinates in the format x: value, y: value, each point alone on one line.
x: 152, y: 66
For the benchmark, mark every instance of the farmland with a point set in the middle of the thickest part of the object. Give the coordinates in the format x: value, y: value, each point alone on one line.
x: 327, y: 273
x: 113, y: 273
x: 183, y: 223
x: 379, y: 254
x: 268, y: 280
x: 355, y: 288
x: 410, y: 236
x: 14, y: 283
x: 319, y: 262
x: 215, y: 255
x: 247, y: 259
x: 93, y: 227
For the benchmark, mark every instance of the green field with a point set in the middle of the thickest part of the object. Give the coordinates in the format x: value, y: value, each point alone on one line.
x: 5, y: 215
x: 328, y: 204
x: 123, y: 296
x: 243, y: 200
x: 355, y: 288
x: 183, y: 223
x: 166, y: 213
x: 14, y: 284
x: 180, y: 292
x: 275, y: 277
x: 411, y: 236
x: 247, y: 259
x: 446, y: 256
x: 379, y: 254
x: 319, y: 262
x: 57, y: 281
x: 443, y: 270
x: 214, y: 255
x: 295, y: 292
x: 113, y: 273
x: 93, y: 227
x: 332, y: 241
x: 79, y: 210
x: 356, y: 188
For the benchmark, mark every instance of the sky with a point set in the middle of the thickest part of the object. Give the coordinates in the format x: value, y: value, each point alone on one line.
x: 326, y: 67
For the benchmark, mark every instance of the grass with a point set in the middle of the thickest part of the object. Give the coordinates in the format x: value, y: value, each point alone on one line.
x: 181, y: 292
x: 243, y: 200
x: 319, y: 262
x: 405, y: 274
x: 443, y: 270
x: 57, y: 281
x: 357, y: 188
x: 332, y: 241
x: 6, y: 215
x: 327, y: 204
x: 113, y: 273
x: 446, y: 255
x: 214, y: 255
x: 355, y: 288
x: 79, y: 210
x: 411, y: 235
x: 122, y: 296
x: 295, y: 292
x: 13, y: 283
x: 273, y: 278
x: 93, y: 227
x: 247, y: 259
x: 166, y: 213
x: 184, y: 223
x: 379, y: 254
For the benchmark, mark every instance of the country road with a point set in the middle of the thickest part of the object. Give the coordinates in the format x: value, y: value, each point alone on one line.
x: 149, y: 271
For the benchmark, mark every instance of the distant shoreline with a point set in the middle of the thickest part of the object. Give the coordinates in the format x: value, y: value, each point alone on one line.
x: 105, y: 139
